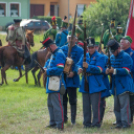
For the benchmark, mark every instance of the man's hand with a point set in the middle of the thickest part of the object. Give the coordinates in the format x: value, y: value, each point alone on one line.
x: 80, y: 70
x: 109, y: 71
x: 85, y: 64
x: 71, y: 74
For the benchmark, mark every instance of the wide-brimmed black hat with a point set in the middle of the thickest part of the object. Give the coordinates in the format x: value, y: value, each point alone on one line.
x: 91, y: 42
x: 113, y: 44
x: 47, y: 42
x: 17, y: 20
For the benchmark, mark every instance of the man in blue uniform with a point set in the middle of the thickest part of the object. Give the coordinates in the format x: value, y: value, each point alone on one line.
x: 72, y: 80
x: 105, y: 93
x: 122, y: 83
x: 61, y: 37
x: 95, y: 64
x: 125, y: 44
x: 54, y: 69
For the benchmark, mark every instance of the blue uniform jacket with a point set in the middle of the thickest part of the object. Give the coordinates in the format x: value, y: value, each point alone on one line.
x: 61, y: 38
x: 55, y: 66
x: 131, y: 53
x: 76, y: 54
x: 106, y: 92
x: 96, y: 65
x: 122, y: 80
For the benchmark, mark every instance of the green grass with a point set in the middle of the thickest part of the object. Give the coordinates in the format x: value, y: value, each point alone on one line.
x: 3, y: 39
x: 23, y: 109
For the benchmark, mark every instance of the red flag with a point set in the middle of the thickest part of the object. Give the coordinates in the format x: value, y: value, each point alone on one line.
x: 130, y: 24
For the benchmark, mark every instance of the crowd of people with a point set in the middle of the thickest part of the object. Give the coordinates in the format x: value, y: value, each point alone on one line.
x: 117, y: 63
x: 119, y: 66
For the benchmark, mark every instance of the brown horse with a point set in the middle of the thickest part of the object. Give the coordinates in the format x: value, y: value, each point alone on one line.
x: 30, y: 38
x: 41, y: 56
x: 10, y: 57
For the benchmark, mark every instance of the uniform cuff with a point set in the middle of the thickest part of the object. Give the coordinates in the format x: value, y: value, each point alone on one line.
x: 47, y: 71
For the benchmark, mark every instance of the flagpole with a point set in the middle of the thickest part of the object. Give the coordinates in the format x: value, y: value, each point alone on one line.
x: 130, y: 12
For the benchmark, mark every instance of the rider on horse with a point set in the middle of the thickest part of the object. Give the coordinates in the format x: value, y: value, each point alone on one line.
x: 16, y: 38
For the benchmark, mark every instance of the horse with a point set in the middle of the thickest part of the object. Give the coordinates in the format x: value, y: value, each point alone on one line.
x: 41, y: 56
x: 29, y: 37
x: 10, y: 57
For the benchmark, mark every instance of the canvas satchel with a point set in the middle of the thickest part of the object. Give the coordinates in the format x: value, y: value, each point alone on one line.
x: 54, y: 83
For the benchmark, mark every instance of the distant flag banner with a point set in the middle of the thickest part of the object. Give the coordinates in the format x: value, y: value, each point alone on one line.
x: 130, y: 23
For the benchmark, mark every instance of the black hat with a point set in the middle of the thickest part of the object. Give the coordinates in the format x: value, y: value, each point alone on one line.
x: 113, y: 44
x: 47, y: 42
x: 80, y: 21
x: 17, y: 20
x: 91, y: 42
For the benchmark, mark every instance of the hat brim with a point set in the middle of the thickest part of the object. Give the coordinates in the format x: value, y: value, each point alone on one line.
x: 91, y: 46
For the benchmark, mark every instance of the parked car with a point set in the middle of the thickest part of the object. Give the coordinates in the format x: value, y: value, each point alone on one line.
x: 37, y: 25
x: 22, y: 23
x: 32, y: 24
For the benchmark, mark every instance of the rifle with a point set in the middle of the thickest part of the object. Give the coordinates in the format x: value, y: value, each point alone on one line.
x: 40, y: 66
x: 109, y: 66
x: 109, y: 63
x: 73, y: 32
x: 85, y: 51
x: 69, y: 61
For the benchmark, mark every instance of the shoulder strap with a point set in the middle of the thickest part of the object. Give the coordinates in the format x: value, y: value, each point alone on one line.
x: 65, y: 33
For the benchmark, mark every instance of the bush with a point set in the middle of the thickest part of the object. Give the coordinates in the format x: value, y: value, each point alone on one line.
x: 102, y: 12
x: 48, y: 19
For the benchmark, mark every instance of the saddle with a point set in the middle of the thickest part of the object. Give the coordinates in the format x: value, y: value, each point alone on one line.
x: 24, y: 53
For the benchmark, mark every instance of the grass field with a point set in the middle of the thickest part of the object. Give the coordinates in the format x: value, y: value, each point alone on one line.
x: 23, y: 109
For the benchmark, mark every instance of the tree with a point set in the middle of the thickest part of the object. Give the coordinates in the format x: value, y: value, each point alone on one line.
x: 103, y: 11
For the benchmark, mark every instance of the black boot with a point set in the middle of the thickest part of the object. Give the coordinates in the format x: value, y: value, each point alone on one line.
x: 65, y: 114
x: 73, y: 114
